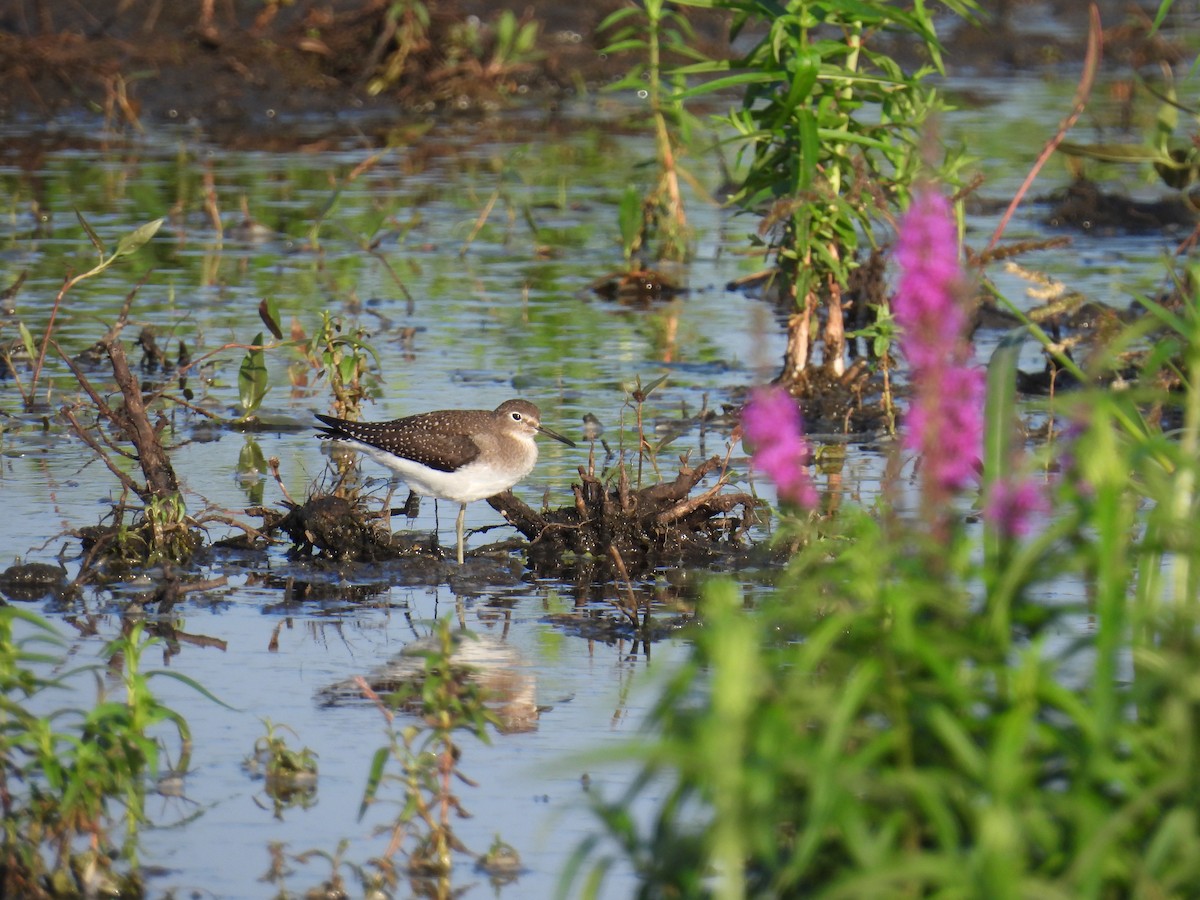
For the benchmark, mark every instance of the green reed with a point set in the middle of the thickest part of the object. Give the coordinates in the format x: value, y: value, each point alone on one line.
x: 655, y: 34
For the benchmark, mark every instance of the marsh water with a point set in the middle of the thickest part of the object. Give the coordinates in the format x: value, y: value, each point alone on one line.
x: 464, y: 252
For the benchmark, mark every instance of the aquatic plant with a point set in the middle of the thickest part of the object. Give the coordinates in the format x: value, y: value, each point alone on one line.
x: 405, y: 34
x: 162, y: 530
x: 652, y: 32
x: 426, y: 757
x: 70, y: 779
x: 345, y: 360
x: 832, y: 128
x: 253, y: 380
x: 126, y: 246
x: 454, y: 57
x: 290, y: 775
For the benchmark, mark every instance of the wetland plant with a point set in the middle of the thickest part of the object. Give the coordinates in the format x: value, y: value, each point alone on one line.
x: 929, y: 705
x: 73, y: 782
x: 127, y: 245
x: 652, y: 31
x: 290, y: 775
x: 452, y: 57
x: 345, y: 359
x: 829, y: 128
x: 163, y: 530
x: 421, y: 761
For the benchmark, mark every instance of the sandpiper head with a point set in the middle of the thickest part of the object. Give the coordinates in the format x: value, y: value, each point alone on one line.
x: 526, y: 418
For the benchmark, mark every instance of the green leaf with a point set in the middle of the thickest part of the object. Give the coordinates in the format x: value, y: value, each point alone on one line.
x: 1166, y: 121
x: 374, y: 778
x: 630, y: 220
x: 252, y: 378
x: 1175, y: 322
x: 1000, y: 412
x: 953, y: 734
x: 803, y: 78
x: 193, y: 684
x: 1000, y: 408
x: 27, y: 340
x: 137, y: 238
x: 810, y: 147
x: 624, y: 46
x: 91, y: 233
x: 614, y: 18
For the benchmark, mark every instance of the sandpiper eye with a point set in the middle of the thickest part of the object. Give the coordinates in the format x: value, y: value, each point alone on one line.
x: 516, y: 417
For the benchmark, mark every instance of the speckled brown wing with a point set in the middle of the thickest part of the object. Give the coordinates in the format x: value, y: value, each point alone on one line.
x: 420, y: 438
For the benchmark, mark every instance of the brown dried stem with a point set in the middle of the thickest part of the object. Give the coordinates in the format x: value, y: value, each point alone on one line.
x: 1091, y: 63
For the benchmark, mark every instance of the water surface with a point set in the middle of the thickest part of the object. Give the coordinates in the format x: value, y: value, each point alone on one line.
x: 464, y: 311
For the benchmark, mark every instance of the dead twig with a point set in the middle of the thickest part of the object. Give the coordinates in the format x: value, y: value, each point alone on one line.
x: 1091, y: 64
x: 126, y: 482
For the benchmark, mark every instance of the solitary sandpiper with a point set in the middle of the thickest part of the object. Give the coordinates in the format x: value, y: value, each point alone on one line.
x: 452, y: 454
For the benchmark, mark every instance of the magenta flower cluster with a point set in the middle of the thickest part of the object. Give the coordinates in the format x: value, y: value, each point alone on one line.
x: 774, y: 432
x: 1014, y: 504
x: 945, y: 417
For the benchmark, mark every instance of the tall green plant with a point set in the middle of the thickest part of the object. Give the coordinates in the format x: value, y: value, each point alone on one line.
x: 830, y: 130
x: 345, y: 359
x: 126, y: 246
x: 653, y: 31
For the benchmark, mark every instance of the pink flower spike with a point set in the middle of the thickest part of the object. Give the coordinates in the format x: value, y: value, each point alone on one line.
x: 1013, y: 505
x: 945, y: 416
x: 774, y: 432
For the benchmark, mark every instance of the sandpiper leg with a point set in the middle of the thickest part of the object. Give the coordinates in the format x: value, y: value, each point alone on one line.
x: 462, y: 514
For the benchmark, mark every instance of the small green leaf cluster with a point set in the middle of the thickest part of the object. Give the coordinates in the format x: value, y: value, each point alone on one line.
x: 290, y: 775
x: 345, y: 361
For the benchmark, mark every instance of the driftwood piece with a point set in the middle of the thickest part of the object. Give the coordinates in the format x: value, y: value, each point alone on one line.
x: 156, y: 466
x: 133, y: 421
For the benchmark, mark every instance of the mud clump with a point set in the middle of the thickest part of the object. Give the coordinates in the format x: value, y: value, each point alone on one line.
x: 1083, y: 206
x: 338, y: 527
x: 32, y: 581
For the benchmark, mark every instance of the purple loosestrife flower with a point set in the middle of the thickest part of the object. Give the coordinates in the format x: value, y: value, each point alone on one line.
x: 773, y: 430
x: 1013, y: 505
x: 945, y: 416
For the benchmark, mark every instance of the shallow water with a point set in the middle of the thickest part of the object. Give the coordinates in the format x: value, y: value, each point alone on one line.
x: 496, y: 310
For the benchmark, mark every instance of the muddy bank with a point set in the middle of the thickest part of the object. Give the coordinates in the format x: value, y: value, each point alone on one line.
x: 245, y: 66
